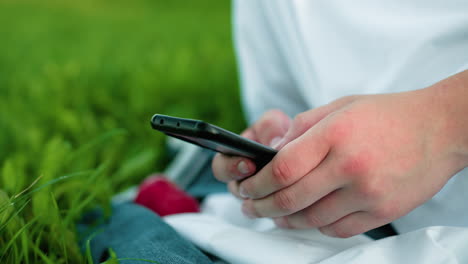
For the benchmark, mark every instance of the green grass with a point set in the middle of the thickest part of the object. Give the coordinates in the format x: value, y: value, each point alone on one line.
x: 79, y: 81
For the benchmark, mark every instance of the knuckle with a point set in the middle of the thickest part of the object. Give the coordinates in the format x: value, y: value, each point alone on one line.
x: 300, y: 120
x: 312, y: 220
x: 386, y: 213
x: 282, y: 173
x: 371, y: 190
x: 339, y: 129
x: 356, y: 165
x: 285, y: 201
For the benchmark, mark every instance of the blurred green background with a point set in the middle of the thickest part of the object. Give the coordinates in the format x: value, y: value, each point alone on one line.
x: 79, y: 82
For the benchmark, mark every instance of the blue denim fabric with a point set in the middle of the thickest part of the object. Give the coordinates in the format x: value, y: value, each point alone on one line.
x: 205, y: 183
x: 136, y: 232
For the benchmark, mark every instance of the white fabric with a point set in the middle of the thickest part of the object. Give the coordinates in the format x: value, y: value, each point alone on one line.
x: 299, y: 54
x: 431, y: 245
x: 225, y: 232
x: 222, y: 230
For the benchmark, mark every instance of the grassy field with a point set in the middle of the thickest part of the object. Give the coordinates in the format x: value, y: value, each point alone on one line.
x: 79, y: 81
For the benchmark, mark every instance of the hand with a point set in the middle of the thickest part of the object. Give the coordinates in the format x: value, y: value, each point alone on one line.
x: 353, y: 165
x: 268, y: 130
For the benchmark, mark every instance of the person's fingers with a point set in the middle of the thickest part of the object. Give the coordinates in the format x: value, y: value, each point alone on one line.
x: 270, y: 127
x: 228, y: 168
x: 250, y: 134
x: 327, y: 210
x: 353, y: 224
x: 305, y: 120
x: 290, y: 164
x: 319, y: 183
x: 233, y: 187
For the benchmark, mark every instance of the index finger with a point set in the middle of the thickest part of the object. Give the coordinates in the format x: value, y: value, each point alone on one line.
x: 293, y: 161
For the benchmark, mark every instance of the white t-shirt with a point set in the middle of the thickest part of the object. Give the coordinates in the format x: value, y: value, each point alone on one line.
x: 299, y: 54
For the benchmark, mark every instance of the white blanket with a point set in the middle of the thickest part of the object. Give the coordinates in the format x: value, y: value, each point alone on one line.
x: 222, y: 230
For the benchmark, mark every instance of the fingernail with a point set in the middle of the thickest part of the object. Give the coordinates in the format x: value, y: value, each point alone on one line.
x: 276, y: 142
x: 243, y: 168
x: 248, y: 210
x: 243, y: 193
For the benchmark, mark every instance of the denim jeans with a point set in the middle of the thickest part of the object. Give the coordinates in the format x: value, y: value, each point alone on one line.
x: 136, y: 234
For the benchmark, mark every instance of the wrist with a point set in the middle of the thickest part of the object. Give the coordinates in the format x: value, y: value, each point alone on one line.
x: 448, y: 104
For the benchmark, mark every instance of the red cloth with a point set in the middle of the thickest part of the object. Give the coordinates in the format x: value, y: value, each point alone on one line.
x: 164, y: 197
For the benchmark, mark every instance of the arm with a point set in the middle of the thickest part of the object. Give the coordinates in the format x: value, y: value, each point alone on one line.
x: 450, y: 97
x: 361, y: 161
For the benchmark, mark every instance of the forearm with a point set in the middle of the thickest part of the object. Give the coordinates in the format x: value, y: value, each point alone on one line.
x: 448, y: 106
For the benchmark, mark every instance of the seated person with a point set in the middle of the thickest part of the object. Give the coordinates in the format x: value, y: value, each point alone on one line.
x: 379, y: 100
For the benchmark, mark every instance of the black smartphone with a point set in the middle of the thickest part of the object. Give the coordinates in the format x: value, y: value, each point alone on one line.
x: 212, y: 137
